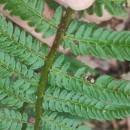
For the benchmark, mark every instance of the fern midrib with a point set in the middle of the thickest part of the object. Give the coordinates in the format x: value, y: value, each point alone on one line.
x: 89, y: 40
x: 48, y: 64
x: 39, y: 15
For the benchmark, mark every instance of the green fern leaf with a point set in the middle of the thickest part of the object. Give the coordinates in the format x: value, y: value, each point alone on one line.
x: 32, y: 11
x: 114, y: 7
x: 101, y: 90
x: 68, y: 93
x: 13, y: 120
x: 15, y: 93
x: 18, y: 44
x: 10, y: 66
x: 60, y: 122
x: 82, y: 106
x: 99, y: 42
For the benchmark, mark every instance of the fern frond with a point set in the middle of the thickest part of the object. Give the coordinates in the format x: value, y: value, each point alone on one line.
x: 68, y: 93
x: 105, y: 88
x: 82, y: 106
x: 111, y: 91
x: 32, y: 11
x: 87, y: 38
x: 115, y: 8
x: 23, y: 47
x: 15, y: 93
x: 52, y: 4
x: 56, y: 121
x: 13, y: 120
x: 9, y: 66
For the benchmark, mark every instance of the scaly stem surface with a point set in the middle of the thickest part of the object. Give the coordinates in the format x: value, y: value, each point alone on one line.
x: 48, y: 64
